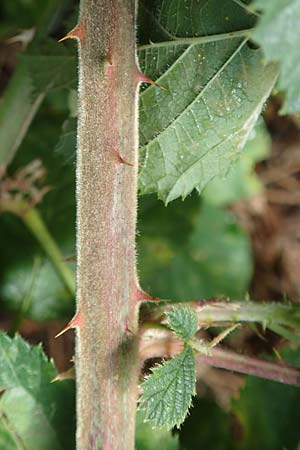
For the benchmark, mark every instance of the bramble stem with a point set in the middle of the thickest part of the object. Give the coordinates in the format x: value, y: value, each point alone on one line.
x: 107, y: 366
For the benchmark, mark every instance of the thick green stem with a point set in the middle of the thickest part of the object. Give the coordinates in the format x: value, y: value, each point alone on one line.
x: 106, y: 351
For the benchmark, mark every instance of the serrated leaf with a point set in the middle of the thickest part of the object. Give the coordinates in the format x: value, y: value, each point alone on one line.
x: 195, y: 128
x: 241, y: 182
x: 167, y: 392
x: 278, y: 33
x: 42, y: 413
x: 184, y: 323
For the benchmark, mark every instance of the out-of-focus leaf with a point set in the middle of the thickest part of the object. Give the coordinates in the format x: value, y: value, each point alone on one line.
x: 269, y: 413
x: 207, y: 427
x: 42, y: 413
x: 278, y: 33
x: 51, y: 66
x: 20, y: 101
x: 6, y: 440
x: 214, y: 256
x: 41, y: 296
x: 195, y: 128
x: 167, y: 392
x: 66, y: 145
x: 148, y: 439
x: 241, y: 181
x: 40, y: 293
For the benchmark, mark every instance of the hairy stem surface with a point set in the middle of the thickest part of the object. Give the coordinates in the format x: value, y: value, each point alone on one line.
x: 106, y: 353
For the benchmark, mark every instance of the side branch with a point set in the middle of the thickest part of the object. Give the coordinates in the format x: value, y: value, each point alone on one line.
x: 216, y: 312
x: 158, y: 341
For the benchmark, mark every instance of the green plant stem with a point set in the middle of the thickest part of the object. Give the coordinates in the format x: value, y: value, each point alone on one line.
x: 214, y: 312
x: 198, y: 40
x: 36, y: 225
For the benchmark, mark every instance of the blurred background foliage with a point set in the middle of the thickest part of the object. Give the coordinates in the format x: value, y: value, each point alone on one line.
x: 238, y: 238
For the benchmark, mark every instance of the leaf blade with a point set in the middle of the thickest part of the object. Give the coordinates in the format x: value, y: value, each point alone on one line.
x: 184, y: 323
x: 167, y: 392
x: 40, y: 412
x: 196, y: 128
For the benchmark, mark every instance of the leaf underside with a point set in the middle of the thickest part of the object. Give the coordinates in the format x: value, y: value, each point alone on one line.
x: 168, y: 391
x: 196, y: 127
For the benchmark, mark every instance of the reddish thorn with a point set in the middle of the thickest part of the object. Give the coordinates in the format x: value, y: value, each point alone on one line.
x: 142, y: 78
x: 70, y: 258
x: 77, y: 33
x: 76, y: 322
x: 109, y: 57
x: 120, y: 159
x: 141, y: 296
x: 128, y: 330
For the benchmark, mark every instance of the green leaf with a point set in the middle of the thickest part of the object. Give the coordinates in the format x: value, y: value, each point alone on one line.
x: 19, y: 102
x: 146, y: 439
x: 188, y: 251
x: 6, y: 439
x: 278, y: 33
x: 40, y: 294
x: 207, y: 427
x: 51, y: 66
x: 241, y: 181
x: 184, y: 323
x: 32, y: 287
x: 167, y: 392
x: 40, y: 413
x: 66, y: 146
x: 195, y: 128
